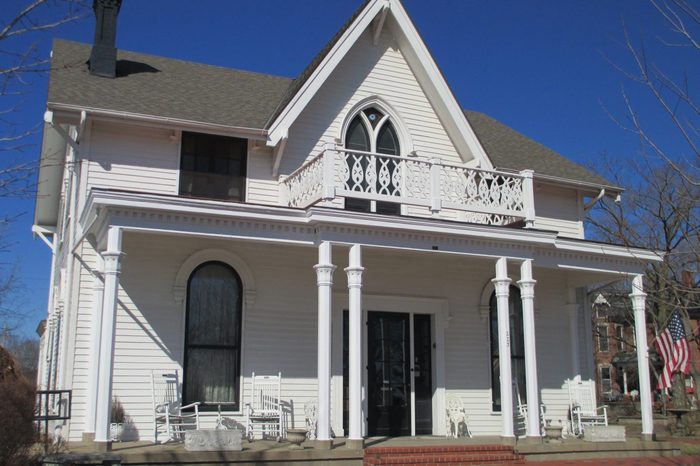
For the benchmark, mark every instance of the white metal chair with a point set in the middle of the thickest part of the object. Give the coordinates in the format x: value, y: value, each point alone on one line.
x: 170, y: 417
x: 264, y: 410
x: 583, y: 407
x: 456, y: 424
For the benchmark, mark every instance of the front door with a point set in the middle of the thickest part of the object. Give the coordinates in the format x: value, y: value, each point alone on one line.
x: 388, y: 374
x: 394, y: 388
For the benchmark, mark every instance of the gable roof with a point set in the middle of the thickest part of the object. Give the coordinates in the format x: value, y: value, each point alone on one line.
x: 168, y: 88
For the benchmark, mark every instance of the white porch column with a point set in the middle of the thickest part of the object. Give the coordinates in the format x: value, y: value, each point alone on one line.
x: 112, y: 267
x: 527, y: 294
x: 640, y: 330
x: 502, y: 284
x: 572, y: 308
x: 354, y: 271
x: 96, y: 332
x: 324, y: 281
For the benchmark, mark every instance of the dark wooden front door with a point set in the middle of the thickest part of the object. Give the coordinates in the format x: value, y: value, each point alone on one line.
x: 388, y: 374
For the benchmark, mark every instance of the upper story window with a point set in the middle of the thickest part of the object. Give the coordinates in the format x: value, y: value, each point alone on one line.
x: 213, y: 167
x: 372, y: 131
x: 603, y: 344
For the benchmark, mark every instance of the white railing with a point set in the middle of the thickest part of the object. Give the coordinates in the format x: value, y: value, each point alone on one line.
x: 490, y: 197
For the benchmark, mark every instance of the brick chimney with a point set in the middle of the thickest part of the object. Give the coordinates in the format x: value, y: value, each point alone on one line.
x: 103, y: 58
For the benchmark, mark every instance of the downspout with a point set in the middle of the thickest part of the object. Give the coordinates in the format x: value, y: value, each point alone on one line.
x: 44, y: 378
x: 594, y: 201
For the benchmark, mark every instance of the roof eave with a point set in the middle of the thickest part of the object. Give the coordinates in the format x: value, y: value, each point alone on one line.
x: 160, y: 121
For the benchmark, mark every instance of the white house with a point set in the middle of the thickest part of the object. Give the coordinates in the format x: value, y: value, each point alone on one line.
x: 352, y: 228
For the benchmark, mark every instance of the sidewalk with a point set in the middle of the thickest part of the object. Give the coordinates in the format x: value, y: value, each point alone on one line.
x: 684, y: 460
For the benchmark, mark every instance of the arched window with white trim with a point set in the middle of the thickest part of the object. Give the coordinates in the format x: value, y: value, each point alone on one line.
x: 371, y: 131
x: 212, y: 365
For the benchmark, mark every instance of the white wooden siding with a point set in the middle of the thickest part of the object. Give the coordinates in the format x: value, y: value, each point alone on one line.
x: 558, y: 209
x: 262, y: 188
x: 368, y: 71
x: 133, y: 158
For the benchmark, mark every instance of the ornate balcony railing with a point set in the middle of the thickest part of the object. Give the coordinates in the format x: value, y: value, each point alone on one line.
x: 490, y: 197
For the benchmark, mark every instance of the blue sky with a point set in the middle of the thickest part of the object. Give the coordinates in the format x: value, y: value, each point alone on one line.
x: 538, y: 66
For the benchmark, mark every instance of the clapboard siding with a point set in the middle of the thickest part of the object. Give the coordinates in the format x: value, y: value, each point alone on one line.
x: 368, y: 71
x: 82, y: 338
x: 559, y: 209
x: 262, y: 188
x: 133, y: 158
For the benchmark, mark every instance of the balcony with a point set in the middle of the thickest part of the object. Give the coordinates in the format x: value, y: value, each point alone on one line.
x: 479, y: 196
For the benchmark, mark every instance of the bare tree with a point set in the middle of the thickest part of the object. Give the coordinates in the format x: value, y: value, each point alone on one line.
x: 672, y: 89
x: 21, y: 58
x: 661, y: 209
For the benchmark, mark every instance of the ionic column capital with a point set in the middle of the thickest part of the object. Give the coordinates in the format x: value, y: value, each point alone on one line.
x: 354, y: 276
x: 501, y: 286
x: 527, y: 288
x: 324, y: 274
x: 112, y: 262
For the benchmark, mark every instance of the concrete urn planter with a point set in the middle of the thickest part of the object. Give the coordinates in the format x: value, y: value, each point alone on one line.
x: 553, y: 431
x: 296, y: 437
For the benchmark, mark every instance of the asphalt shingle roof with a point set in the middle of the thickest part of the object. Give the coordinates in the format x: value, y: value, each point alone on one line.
x: 170, y: 88
x: 151, y: 85
x: 511, y: 150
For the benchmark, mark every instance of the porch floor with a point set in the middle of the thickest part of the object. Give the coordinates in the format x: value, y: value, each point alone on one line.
x: 280, y: 453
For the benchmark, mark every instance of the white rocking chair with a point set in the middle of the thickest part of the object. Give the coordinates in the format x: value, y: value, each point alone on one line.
x: 582, y: 406
x: 264, y: 410
x: 522, y: 409
x: 170, y: 417
x: 456, y: 424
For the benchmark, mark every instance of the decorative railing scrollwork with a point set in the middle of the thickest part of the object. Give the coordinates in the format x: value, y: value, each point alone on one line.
x: 484, y: 196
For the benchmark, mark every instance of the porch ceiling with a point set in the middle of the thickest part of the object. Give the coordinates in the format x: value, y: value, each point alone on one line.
x: 159, y: 214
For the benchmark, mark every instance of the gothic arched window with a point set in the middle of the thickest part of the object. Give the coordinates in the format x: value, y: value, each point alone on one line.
x: 371, y: 130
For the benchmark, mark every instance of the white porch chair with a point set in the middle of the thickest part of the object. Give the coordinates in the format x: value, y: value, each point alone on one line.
x: 522, y: 409
x: 264, y: 408
x: 170, y: 417
x: 583, y: 407
x: 456, y: 422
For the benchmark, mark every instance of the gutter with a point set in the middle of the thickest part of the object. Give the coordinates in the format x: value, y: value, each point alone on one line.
x: 180, y: 123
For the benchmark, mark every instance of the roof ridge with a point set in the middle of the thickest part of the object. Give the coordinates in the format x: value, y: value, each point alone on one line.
x: 302, y: 77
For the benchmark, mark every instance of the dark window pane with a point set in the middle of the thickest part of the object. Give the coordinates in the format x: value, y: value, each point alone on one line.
x: 213, y: 166
x: 517, y: 346
x: 212, y: 335
x: 357, y: 137
x: 387, y: 140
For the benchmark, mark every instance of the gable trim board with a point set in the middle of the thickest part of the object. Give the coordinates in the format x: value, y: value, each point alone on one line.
x: 418, y: 58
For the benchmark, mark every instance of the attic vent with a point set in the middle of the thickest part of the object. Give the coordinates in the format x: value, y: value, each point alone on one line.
x: 103, y: 58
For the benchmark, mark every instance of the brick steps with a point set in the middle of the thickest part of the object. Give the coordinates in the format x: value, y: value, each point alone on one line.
x: 445, y: 455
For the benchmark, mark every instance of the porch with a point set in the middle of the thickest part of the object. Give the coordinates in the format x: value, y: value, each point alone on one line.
x: 418, y: 449
x: 438, y: 273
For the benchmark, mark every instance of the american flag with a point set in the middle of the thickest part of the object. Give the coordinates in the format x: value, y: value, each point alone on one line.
x: 674, y: 350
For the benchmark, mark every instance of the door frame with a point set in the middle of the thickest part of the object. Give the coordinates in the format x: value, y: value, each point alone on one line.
x: 438, y: 308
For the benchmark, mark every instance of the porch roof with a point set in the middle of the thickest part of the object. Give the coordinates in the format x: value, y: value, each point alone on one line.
x: 165, y: 214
